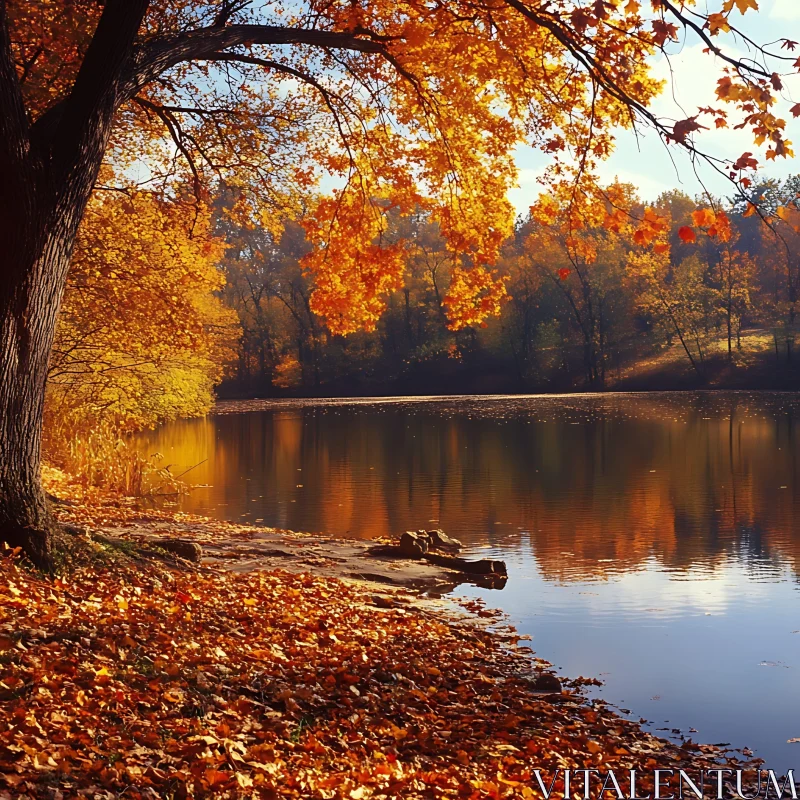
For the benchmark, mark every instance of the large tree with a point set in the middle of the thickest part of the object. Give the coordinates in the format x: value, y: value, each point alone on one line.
x: 414, y: 104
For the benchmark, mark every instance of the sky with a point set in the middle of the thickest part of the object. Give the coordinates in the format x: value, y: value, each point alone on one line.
x: 647, y: 163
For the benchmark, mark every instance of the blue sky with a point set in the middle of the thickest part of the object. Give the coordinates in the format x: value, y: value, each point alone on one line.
x: 647, y: 163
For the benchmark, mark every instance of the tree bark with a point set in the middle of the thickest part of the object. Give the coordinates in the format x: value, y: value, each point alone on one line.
x: 47, y: 173
x: 29, y: 303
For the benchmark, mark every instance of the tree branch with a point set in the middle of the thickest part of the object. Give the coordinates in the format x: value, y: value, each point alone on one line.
x: 175, y: 132
x: 160, y: 55
x: 85, y: 124
x: 14, y: 134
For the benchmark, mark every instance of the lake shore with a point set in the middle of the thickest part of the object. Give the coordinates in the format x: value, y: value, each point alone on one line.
x: 232, y: 547
x: 204, y: 681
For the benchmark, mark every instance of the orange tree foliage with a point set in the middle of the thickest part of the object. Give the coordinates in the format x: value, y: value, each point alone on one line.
x: 407, y: 104
x: 580, y: 246
x: 142, y: 334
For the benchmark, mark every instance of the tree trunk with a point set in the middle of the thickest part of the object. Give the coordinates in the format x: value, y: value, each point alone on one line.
x: 729, y: 323
x: 29, y: 303
x: 48, y: 171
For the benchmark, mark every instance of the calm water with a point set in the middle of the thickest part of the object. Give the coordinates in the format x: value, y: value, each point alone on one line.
x: 652, y: 540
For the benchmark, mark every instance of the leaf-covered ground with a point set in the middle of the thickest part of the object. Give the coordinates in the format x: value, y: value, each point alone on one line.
x: 139, y: 680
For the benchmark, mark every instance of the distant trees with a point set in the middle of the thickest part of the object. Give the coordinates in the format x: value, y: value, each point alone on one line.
x: 410, y: 105
x: 580, y: 300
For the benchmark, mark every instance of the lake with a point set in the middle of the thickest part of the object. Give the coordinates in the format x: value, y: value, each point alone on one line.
x: 652, y: 540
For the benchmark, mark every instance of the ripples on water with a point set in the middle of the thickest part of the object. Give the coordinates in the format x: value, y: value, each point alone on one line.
x: 651, y: 539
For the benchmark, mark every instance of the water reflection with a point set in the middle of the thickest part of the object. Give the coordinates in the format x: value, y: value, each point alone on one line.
x: 594, y: 487
x: 651, y: 540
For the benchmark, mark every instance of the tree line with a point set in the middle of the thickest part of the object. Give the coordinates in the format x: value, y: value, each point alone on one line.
x: 582, y: 311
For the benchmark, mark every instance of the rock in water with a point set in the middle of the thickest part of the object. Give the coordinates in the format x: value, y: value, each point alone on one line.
x: 182, y: 548
x: 441, y: 541
x: 412, y: 545
x: 547, y: 682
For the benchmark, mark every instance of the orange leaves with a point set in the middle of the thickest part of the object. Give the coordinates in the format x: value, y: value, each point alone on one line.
x: 474, y: 295
x: 564, y: 273
x: 652, y: 226
x: 616, y: 220
x: 314, y: 691
x: 353, y: 269
x: 432, y: 122
x: 716, y: 223
x: 703, y: 218
x: 721, y: 228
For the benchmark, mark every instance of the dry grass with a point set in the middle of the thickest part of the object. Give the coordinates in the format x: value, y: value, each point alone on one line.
x: 105, y: 457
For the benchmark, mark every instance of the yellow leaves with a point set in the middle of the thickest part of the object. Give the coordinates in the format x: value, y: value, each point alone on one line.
x: 546, y: 209
x: 718, y: 23
x: 142, y: 334
x: 288, y: 372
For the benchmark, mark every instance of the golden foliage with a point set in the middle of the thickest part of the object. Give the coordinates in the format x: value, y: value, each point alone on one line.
x: 142, y: 336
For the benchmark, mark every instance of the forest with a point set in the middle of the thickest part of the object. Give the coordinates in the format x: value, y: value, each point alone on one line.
x: 203, y: 199
x: 206, y: 303
x: 586, y: 312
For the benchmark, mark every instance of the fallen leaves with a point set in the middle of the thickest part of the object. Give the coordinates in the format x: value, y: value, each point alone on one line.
x: 148, y: 682
x: 275, y: 685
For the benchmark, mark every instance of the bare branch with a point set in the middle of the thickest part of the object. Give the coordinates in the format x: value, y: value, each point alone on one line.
x: 160, y: 55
